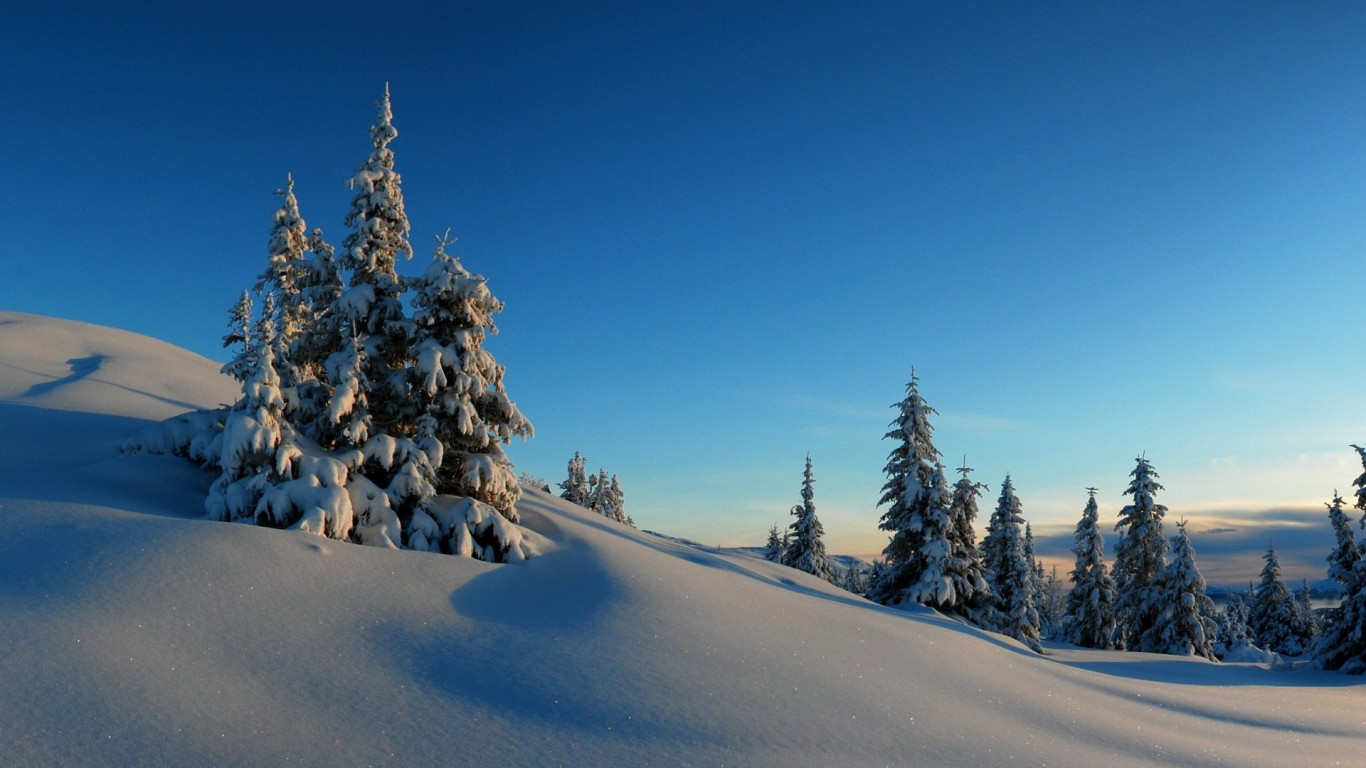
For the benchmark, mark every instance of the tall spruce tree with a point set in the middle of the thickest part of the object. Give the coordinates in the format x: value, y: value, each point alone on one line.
x: 1185, y: 626
x: 371, y: 309
x: 1091, y: 603
x: 917, y: 499
x: 807, y: 550
x: 1140, y: 557
x: 1009, y: 571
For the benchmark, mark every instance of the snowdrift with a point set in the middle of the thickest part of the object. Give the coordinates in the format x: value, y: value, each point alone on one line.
x: 132, y: 632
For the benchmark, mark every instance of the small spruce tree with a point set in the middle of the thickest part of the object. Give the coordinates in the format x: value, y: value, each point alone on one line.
x: 575, y: 486
x: 773, y: 550
x: 807, y: 550
x: 1271, y: 617
x: 1305, y: 616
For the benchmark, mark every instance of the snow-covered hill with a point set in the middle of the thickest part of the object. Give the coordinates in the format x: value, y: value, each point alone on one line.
x: 133, y: 633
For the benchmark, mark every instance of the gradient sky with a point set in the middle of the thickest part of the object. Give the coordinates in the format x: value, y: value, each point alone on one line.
x: 725, y: 232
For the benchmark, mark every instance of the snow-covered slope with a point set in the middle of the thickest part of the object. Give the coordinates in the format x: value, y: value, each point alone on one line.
x: 132, y: 633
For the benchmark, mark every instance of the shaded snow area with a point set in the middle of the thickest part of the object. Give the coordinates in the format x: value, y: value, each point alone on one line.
x: 133, y: 632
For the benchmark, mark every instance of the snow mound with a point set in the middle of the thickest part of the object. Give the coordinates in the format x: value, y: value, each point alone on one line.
x: 133, y: 635
x: 51, y: 363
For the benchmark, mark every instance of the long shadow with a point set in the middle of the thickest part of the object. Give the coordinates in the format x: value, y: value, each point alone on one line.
x: 1185, y: 671
x: 81, y: 368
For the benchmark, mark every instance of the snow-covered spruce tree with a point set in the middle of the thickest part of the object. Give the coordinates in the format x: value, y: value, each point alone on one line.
x: 1052, y: 606
x: 1346, y: 552
x: 1039, y: 584
x: 877, y: 572
x: 590, y: 501
x: 1341, y: 641
x: 1140, y: 557
x: 302, y: 275
x: 257, y: 441
x: 283, y: 278
x: 239, y: 334
x: 459, y: 384
x: 854, y: 581
x: 807, y: 551
x: 916, y: 494
x: 975, y: 600
x: 1234, y: 640
x: 575, y: 486
x: 1231, y: 631
x: 773, y: 549
x: 1306, y: 616
x: 597, y: 492
x: 320, y: 337
x: 1091, y: 603
x: 371, y: 309
x: 624, y: 516
x: 1271, y: 617
x: 1009, y: 571
x: 615, y: 506
x: 1183, y: 626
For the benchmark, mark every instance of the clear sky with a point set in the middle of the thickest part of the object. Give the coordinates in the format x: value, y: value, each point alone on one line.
x: 725, y: 232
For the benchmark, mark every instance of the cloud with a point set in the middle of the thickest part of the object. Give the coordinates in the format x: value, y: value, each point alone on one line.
x: 1230, y: 543
x: 979, y: 422
x: 845, y: 410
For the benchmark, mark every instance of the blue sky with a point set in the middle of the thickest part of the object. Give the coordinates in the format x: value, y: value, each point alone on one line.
x: 725, y: 234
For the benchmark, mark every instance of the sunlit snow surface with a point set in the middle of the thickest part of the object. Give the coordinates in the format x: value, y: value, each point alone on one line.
x: 133, y: 633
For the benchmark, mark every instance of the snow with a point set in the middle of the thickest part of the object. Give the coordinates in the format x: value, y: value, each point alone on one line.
x: 135, y: 632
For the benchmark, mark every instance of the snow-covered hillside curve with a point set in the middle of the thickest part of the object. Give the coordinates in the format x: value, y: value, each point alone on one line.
x: 134, y: 633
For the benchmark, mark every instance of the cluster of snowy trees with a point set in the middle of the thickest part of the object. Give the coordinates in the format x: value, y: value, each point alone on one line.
x: 932, y: 556
x: 1147, y: 601
x: 1151, y: 599
x: 359, y: 420
x: 595, y: 492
